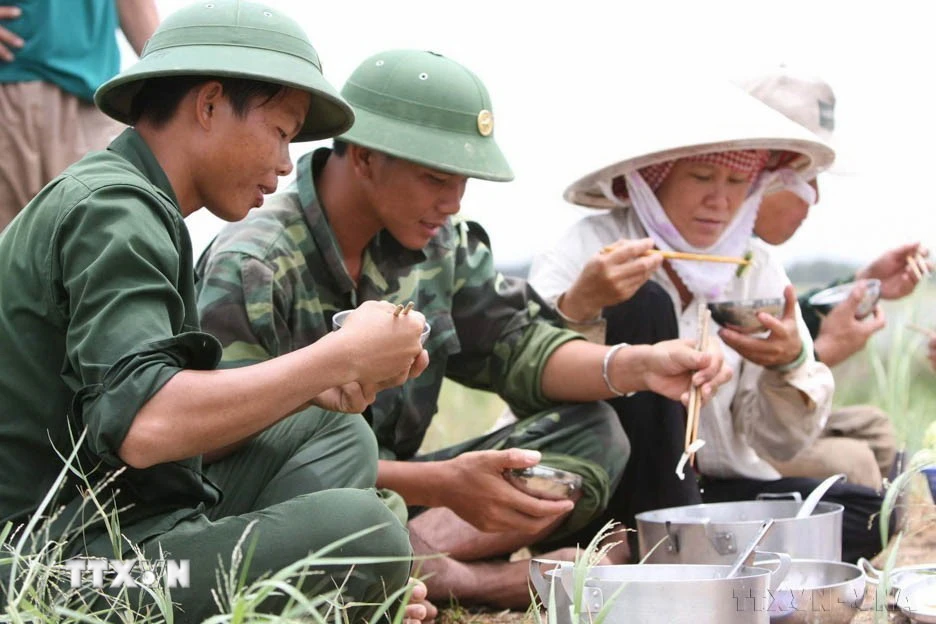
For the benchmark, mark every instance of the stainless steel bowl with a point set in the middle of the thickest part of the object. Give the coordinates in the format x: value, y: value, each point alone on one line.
x: 742, y: 315
x: 827, y: 299
x: 899, y: 579
x: 918, y: 600
x: 339, y: 318
x: 545, y: 481
x: 815, y: 591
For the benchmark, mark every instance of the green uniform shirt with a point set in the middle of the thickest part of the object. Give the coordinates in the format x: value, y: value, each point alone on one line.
x: 97, y: 312
x: 271, y: 283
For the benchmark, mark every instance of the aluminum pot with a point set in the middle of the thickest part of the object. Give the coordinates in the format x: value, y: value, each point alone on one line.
x: 818, y: 592
x: 680, y: 594
x: 713, y: 533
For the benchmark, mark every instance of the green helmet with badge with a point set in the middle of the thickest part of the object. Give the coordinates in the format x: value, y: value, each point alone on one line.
x: 428, y: 109
x: 233, y: 39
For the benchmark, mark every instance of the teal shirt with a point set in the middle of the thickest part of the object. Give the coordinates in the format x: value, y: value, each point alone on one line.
x: 69, y: 43
x: 270, y: 284
x: 97, y: 313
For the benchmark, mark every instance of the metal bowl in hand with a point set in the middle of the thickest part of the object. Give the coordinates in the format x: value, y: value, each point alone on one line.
x: 824, y: 300
x: 339, y: 319
x: 545, y: 481
x: 741, y: 316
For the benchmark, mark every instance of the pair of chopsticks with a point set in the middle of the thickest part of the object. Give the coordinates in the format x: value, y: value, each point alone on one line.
x: 918, y: 265
x: 695, y: 400
x: 681, y: 255
x: 404, y: 310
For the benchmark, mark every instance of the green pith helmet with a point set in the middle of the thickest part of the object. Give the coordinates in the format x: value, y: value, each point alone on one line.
x: 425, y: 108
x: 231, y: 38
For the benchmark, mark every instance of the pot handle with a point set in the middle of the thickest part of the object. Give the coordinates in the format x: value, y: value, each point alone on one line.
x: 783, y: 565
x: 796, y: 496
x: 872, y: 574
x: 539, y: 580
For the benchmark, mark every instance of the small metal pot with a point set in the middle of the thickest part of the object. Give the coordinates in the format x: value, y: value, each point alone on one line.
x: 665, y: 594
x: 818, y: 592
x: 713, y: 533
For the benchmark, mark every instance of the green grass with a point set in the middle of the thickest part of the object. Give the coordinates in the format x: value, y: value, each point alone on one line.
x: 37, y: 588
x: 893, y: 372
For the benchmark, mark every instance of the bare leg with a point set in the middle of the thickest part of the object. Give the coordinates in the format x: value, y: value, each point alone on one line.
x: 468, y: 573
x: 500, y: 584
x: 442, y: 531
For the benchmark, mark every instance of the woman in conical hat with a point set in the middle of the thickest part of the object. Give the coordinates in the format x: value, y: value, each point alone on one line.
x: 694, y: 185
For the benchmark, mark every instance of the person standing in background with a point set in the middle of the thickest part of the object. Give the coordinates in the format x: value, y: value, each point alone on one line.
x: 53, y: 55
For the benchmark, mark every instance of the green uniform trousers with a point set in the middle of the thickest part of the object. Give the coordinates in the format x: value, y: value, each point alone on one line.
x: 585, y: 438
x: 306, y: 482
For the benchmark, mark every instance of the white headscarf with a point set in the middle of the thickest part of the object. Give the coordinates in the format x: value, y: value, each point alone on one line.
x: 704, y: 279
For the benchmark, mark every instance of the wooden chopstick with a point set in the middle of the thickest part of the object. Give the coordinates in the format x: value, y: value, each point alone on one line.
x: 929, y: 333
x: 703, y: 346
x: 912, y: 263
x: 404, y: 310
x: 690, y: 408
x: 681, y: 255
x: 695, y: 401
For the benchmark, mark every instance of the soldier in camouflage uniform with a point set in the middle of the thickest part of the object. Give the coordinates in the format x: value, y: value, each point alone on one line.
x: 375, y: 218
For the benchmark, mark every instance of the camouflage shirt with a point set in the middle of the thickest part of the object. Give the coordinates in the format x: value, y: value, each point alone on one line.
x: 271, y: 283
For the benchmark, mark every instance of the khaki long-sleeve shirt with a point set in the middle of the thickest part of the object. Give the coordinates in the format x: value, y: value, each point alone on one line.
x: 760, y: 411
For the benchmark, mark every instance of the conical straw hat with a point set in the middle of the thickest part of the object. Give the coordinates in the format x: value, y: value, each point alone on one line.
x: 667, y: 119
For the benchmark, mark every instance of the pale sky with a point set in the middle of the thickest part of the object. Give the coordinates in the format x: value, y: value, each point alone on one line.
x: 877, y: 57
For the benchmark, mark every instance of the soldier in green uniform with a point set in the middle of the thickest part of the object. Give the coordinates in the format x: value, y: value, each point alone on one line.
x: 100, y: 335
x: 375, y: 219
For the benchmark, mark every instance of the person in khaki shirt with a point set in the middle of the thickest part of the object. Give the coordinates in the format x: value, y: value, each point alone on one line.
x: 103, y: 354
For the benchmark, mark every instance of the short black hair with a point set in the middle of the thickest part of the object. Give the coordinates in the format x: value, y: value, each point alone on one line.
x: 340, y: 148
x: 159, y: 98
